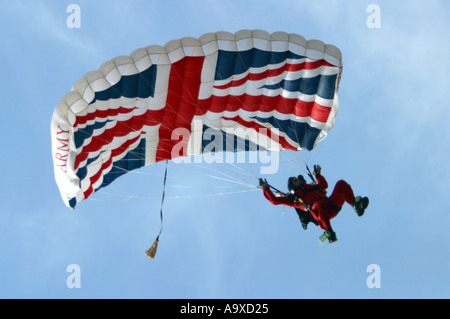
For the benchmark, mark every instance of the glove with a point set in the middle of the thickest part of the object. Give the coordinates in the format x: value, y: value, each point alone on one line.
x: 263, y: 183
x: 317, y: 170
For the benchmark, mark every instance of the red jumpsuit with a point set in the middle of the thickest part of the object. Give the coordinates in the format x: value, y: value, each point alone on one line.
x: 323, y: 208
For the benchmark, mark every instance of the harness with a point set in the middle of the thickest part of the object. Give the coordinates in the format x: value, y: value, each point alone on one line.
x: 334, y: 206
x: 316, y: 187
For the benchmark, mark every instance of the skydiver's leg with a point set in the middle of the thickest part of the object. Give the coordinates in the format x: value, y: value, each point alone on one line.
x: 342, y: 193
x: 319, y: 211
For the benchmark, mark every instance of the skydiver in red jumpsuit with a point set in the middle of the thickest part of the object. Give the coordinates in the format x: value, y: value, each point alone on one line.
x: 312, y: 203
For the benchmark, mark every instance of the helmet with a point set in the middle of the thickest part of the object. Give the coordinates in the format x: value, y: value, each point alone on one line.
x: 291, y: 185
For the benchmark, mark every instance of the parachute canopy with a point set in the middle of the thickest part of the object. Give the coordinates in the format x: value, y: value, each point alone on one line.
x: 244, y: 91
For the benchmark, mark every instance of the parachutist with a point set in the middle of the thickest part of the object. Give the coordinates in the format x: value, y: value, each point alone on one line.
x: 313, y: 205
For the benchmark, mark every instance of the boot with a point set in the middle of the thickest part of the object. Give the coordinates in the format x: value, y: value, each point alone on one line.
x: 330, y: 234
x: 360, y: 205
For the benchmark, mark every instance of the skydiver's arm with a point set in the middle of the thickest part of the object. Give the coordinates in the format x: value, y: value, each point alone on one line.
x: 276, y: 200
x: 282, y: 200
x: 322, y: 182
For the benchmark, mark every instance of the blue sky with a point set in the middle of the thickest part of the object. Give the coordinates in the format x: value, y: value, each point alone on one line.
x: 222, y: 239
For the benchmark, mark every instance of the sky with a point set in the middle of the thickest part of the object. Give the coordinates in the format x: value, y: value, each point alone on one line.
x: 221, y: 238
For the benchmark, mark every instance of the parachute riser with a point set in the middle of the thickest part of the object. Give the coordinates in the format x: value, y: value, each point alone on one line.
x: 310, y: 174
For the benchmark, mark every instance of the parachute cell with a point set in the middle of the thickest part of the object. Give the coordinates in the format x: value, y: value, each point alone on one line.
x: 160, y: 103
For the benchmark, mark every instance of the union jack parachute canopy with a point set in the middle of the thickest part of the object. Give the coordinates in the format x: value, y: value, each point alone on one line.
x: 163, y: 102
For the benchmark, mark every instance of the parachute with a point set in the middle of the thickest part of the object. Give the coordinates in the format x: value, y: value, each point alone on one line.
x: 221, y: 92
